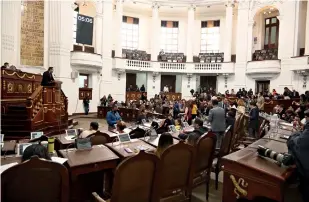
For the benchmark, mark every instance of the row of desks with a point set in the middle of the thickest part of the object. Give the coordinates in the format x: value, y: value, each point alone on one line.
x: 247, y: 175
x: 88, y: 168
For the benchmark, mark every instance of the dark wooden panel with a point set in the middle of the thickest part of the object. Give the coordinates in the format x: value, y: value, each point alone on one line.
x: 85, y: 92
x: 169, y: 80
x: 208, y: 81
x: 131, y: 80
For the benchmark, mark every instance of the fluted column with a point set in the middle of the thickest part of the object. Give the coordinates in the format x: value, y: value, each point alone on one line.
x: 228, y: 31
x: 307, y: 31
x: 155, y: 37
x: 250, y: 40
x: 98, y: 27
x: 10, y: 33
x: 118, y: 32
x: 190, y: 33
x: 60, y: 37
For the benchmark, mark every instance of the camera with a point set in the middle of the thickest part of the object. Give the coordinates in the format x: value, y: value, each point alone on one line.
x: 282, y: 158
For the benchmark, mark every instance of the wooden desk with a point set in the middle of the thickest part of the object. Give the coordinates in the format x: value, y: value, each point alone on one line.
x: 247, y: 175
x: 8, y: 147
x: 173, y: 96
x: 155, y: 141
x: 119, y: 148
x: 62, y: 143
x: 86, y: 170
x: 132, y: 95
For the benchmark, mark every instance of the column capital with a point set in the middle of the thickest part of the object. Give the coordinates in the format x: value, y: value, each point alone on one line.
x: 155, y: 5
x: 192, y: 7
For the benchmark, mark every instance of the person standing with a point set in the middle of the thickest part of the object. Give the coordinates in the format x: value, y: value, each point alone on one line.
x: 86, y: 105
x: 253, y: 126
x: 47, y: 78
x: 142, y: 88
x: 260, y: 101
x: 216, y: 118
x: 165, y: 89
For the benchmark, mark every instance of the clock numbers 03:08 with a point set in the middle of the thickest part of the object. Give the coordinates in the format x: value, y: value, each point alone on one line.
x: 84, y: 19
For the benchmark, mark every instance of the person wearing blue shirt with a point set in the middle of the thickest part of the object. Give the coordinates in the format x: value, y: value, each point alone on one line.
x: 112, y: 117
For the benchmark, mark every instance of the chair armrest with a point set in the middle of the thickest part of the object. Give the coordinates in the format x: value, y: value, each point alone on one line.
x: 97, y: 197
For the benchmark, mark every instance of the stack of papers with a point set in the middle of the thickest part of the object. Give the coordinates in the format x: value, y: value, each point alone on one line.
x: 59, y: 160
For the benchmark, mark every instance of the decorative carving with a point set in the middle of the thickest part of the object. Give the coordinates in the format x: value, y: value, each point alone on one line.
x: 10, y: 88
x: 192, y: 7
x: 21, y: 75
x: 155, y: 5
x: 29, y: 88
x: 20, y: 88
x: 239, y: 186
x: 4, y: 85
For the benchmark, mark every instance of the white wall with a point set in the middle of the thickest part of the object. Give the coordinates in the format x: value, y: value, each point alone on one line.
x: 141, y: 79
x: 178, y: 85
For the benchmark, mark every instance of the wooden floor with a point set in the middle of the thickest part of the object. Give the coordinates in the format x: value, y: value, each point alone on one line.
x: 199, y: 193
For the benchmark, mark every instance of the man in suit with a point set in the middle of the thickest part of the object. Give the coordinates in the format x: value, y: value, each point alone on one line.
x: 225, y: 105
x: 253, y: 126
x: 217, y: 119
x: 295, y: 94
x: 48, y: 79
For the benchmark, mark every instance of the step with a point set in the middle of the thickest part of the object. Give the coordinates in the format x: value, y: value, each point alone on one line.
x: 15, y: 116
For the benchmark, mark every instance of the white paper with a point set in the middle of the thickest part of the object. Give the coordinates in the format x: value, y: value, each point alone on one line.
x: 59, y: 160
x: 127, y: 130
x: 68, y: 137
x: 7, y: 166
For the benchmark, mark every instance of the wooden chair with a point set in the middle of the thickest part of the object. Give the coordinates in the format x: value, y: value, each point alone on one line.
x: 99, y: 138
x: 205, y: 149
x: 136, y: 180
x: 177, y: 172
x: 235, y: 136
x: 224, y: 150
x: 49, y: 182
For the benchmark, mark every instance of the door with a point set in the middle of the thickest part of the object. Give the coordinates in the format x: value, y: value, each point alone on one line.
x: 262, y: 86
x: 170, y: 81
x: 271, y: 33
x: 208, y: 82
x: 131, y: 80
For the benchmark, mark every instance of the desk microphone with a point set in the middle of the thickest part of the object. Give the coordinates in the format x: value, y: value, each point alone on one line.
x: 282, y: 158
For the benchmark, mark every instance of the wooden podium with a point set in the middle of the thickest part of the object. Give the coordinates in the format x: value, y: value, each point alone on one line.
x: 26, y: 106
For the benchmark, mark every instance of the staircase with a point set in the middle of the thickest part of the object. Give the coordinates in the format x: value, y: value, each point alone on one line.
x: 20, y: 117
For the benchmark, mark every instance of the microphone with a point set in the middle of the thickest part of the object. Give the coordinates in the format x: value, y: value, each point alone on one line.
x: 285, y: 159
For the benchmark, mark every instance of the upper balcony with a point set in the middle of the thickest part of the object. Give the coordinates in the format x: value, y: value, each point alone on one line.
x: 173, y: 67
x: 85, y: 57
x: 263, y: 69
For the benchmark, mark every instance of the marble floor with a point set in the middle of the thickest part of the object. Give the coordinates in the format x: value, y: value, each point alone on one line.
x: 199, y: 193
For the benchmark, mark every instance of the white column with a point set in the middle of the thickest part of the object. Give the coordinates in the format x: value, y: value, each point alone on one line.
x: 155, y: 37
x: 107, y: 46
x: 60, y: 37
x: 228, y: 32
x: 10, y: 25
x: 98, y: 27
x: 190, y: 33
x: 307, y: 31
x: 118, y: 32
x: 250, y: 40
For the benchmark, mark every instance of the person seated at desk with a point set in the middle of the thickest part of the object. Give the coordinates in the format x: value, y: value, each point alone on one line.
x: 35, y: 150
x: 165, y: 140
x: 94, y: 126
x: 47, y: 78
x: 198, y: 129
x: 112, y: 117
x: 178, y: 124
x: 192, y: 138
x: 120, y: 126
x: 298, y: 147
x: 141, y: 116
x: 164, y: 125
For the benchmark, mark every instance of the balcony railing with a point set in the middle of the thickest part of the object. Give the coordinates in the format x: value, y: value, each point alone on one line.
x: 137, y: 65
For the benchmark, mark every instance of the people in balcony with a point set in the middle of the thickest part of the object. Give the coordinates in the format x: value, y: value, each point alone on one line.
x: 6, y: 65
x: 130, y: 88
x: 142, y: 88
x: 287, y: 92
x: 239, y: 93
x: 136, y: 88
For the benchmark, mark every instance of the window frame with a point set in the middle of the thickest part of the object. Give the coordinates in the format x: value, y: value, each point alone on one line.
x: 206, y: 38
x: 132, y: 34
x: 270, y: 45
x: 74, y: 29
x: 169, y: 40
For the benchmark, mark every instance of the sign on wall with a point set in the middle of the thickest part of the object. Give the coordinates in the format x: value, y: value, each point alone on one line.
x: 32, y: 34
x: 84, y: 30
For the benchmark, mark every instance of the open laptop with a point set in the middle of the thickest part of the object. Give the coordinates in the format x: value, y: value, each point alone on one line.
x: 124, y: 138
x: 172, y: 128
x: 71, y: 134
x: 35, y: 135
x: 21, y: 148
x: 83, y: 144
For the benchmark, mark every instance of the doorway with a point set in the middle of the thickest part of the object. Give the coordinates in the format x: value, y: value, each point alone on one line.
x: 208, y: 82
x: 170, y: 81
x: 262, y: 86
x: 131, y: 80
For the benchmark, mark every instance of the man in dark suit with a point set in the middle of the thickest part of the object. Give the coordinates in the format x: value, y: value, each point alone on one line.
x: 48, y: 79
x: 216, y: 118
x: 225, y: 105
x: 253, y: 126
x: 295, y: 94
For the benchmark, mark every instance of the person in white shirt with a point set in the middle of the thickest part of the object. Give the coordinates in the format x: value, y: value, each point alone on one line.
x: 165, y: 89
x: 94, y: 126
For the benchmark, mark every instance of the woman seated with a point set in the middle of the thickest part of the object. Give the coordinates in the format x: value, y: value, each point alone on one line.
x: 120, y: 126
x: 35, y: 150
x: 165, y: 140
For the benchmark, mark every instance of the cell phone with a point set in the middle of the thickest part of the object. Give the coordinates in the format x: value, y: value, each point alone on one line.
x: 128, y: 150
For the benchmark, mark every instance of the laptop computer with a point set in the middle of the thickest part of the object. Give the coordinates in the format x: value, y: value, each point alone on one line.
x: 20, y: 148
x: 124, y: 138
x: 83, y: 144
x: 71, y: 134
x: 172, y: 128
x: 35, y: 135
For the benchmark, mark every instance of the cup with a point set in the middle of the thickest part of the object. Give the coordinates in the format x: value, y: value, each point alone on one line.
x: 51, y: 143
